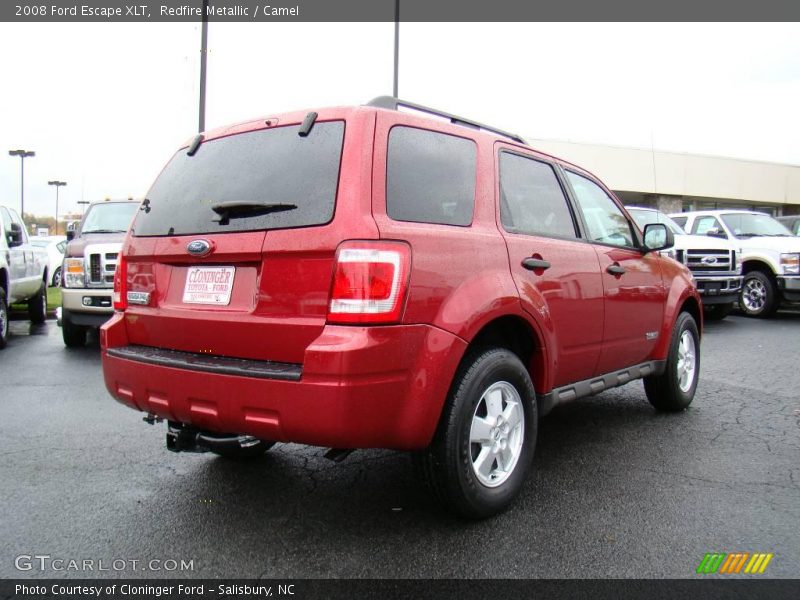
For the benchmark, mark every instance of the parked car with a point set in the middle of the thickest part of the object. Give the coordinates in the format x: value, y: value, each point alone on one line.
x: 23, y: 272
x: 792, y: 223
x: 88, y: 270
x: 715, y: 264
x: 55, y: 245
x: 770, y: 255
x: 371, y: 277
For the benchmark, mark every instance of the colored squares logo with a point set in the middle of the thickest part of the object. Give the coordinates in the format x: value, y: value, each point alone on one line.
x: 734, y: 563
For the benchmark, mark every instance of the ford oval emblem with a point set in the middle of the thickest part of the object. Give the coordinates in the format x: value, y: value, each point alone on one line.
x: 709, y: 260
x: 198, y: 247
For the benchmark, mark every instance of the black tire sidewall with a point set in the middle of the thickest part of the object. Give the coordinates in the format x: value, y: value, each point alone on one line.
x: 4, y: 307
x: 685, y: 322
x: 489, y: 368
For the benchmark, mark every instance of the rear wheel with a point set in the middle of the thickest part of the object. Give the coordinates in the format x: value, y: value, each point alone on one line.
x: 717, y: 312
x: 74, y: 335
x: 759, y: 296
x: 485, y: 441
x: 57, y: 278
x: 37, y: 306
x: 3, y: 319
x: 674, y: 389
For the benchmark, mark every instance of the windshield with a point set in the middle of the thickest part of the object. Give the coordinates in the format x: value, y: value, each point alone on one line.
x: 752, y: 224
x: 646, y: 217
x: 266, y: 179
x: 109, y: 217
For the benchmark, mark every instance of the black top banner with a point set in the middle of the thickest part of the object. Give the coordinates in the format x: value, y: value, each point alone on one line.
x: 386, y: 10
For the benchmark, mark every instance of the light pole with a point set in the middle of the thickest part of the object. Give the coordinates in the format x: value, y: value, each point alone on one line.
x: 396, y: 86
x: 201, y: 120
x: 23, y: 154
x: 58, y: 184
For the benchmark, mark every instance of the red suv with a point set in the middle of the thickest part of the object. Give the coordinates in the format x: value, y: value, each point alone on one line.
x: 370, y: 277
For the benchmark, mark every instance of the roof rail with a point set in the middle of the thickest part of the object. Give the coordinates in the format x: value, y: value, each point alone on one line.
x: 393, y: 103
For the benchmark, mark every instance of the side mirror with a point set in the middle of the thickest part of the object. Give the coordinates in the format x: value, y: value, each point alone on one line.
x: 14, y: 236
x: 70, y: 235
x: 658, y: 236
x: 717, y: 233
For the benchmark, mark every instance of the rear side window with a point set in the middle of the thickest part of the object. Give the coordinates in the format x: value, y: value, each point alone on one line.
x: 430, y: 177
x: 531, y: 199
x: 294, y: 179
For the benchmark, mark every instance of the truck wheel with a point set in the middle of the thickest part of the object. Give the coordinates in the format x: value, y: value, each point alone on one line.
x: 759, y: 298
x: 674, y: 389
x: 74, y: 335
x: 3, y: 319
x: 485, y: 440
x: 717, y: 312
x: 248, y: 453
x: 37, y: 306
x: 57, y: 278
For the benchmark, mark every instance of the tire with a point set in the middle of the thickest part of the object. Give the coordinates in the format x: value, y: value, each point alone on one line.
x: 466, y: 475
x: 759, y: 296
x: 248, y: 453
x: 74, y: 335
x: 717, y: 312
x: 56, y: 282
x: 3, y: 319
x: 37, y: 306
x: 674, y: 389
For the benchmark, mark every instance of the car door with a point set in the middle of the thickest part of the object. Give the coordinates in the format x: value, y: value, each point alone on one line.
x: 557, y: 274
x: 708, y: 225
x: 16, y: 260
x: 633, y: 290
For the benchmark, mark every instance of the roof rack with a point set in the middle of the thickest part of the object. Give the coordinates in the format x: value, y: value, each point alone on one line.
x: 393, y: 103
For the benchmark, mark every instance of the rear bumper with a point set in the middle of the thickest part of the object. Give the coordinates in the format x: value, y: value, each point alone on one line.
x: 358, y: 387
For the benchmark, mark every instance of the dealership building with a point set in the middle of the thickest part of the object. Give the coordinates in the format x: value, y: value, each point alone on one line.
x: 676, y: 182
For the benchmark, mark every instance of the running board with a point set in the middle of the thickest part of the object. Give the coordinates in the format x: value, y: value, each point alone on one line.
x: 595, y: 385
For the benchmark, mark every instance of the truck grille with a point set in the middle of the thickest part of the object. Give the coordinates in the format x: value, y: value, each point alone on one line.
x: 101, y: 269
x: 710, y: 261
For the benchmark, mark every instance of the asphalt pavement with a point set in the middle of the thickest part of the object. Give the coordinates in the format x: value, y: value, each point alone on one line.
x: 617, y: 490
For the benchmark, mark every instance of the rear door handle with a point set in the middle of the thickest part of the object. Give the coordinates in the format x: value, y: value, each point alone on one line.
x: 535, y: 263
x: 615, y: 269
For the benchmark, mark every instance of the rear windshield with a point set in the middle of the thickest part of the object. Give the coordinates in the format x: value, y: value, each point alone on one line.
x: 109, y: 217
x: 294, y: 177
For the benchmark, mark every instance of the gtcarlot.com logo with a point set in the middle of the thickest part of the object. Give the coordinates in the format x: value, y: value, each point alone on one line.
x: 735, y: 563
x: 46, y: 562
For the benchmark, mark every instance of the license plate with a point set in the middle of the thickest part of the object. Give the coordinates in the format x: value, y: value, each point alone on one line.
x: 712, y: 289
x: 209, y: 285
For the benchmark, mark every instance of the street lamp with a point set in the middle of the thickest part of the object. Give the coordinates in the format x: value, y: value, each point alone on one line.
x: 23, y: 154
x: 58, y: 184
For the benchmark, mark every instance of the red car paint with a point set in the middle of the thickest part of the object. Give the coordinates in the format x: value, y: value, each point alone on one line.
x: 367, y: 383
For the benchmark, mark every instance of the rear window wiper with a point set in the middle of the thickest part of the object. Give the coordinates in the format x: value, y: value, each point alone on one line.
x: 235, y: 208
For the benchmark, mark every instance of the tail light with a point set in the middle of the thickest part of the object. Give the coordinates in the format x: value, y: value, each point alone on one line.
x: 121, y: 284
x: 370, y: 282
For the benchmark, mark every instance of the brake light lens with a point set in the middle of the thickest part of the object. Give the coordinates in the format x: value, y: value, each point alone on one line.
x: 370, y: 282
x: 121, y: 284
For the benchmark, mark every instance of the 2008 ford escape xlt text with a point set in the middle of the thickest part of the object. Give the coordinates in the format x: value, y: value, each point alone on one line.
x: 371, y: 277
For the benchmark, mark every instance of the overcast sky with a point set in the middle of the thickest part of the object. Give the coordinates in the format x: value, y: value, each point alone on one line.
x: 105, y: 105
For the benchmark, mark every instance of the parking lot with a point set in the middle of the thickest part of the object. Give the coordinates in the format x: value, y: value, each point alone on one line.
x: 617, y: 489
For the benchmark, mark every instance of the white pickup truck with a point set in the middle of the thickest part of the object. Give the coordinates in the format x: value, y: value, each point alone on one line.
x: 23, y: 272
x: 770, y: 255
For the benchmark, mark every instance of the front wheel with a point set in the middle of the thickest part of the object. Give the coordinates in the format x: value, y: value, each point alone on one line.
x: 717, y: 312
x: 74, y: 335
x: 3, y: 319
x: 674, y: 389
x: 759, y: 296
x: 485, y: 441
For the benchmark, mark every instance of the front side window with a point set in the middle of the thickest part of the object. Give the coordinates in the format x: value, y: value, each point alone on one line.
x: 708, y: 225
x: 531, y: 199
x: 430, y: 177
x: 604, y: 219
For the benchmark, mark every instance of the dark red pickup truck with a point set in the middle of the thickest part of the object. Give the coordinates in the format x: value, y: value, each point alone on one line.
x: 374, y: 277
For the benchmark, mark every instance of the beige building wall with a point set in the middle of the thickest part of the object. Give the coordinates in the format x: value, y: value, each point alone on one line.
x: 684, y: 176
